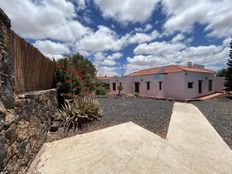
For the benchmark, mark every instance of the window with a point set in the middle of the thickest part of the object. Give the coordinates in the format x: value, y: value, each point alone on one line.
x: 114, y: 86
x: 160, y: 85
x: 148, y: 85
x: 120, y: 84
x: 210, y: 85
x: 190, y: 85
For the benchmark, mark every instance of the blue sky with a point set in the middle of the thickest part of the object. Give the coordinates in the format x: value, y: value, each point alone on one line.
x: 122, y: 36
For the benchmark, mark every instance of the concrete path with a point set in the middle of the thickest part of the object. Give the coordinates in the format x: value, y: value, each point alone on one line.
x: 125, y: 148
x: 192, y: 146
x: 191, y: 133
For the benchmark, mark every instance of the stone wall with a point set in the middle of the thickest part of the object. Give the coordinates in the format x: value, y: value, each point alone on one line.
x: 23, y: 130
x: 6, y: 62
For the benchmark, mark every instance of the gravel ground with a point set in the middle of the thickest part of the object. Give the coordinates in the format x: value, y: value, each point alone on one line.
x: 219, y: 113
x: 153, y: 115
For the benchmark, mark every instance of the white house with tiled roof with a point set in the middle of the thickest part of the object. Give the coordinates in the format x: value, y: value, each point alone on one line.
x: 173, y: 81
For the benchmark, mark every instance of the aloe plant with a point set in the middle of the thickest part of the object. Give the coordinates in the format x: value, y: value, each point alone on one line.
x: 80, y: 112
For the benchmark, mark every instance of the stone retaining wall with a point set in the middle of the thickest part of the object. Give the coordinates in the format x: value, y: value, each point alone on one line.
x: 24, y: 119
x: 6, y: 62
x: 23, y: 130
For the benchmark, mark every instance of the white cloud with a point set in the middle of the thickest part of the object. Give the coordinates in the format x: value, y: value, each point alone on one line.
x: 52, y: 19
x: 106, y: 64
x: 108, y: 71
x: 182, y: 15
x: 227, y: 41
x: 125, y: 11
x: 143, y: 37
x: 140, y: 62
x: 52, y: 49
x: 81, y: 4
x: 163, y: 53
x: 178, y: 37
x: 148, y: 27
x: 104, y: 39
x: 158, y: 48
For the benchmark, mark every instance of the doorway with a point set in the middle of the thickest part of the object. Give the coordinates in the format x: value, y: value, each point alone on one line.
x: 199, y: 86
x: 137, y: 87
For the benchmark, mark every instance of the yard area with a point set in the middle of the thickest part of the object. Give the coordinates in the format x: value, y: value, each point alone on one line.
x: 153, y: 115
x: 218, y: 111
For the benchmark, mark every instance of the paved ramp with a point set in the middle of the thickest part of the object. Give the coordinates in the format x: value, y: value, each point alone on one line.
x: 191, y: 133
x: 125, y: 148
x: 192, y: 146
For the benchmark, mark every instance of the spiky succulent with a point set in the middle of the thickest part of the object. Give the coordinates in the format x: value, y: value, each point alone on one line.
x: 80, y: 112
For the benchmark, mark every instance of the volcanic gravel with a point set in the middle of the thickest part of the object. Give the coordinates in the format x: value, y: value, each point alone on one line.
x: 153, y: 115
x: 218, y: 111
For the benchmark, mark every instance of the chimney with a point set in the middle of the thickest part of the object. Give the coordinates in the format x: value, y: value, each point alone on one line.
x: 190, y: 64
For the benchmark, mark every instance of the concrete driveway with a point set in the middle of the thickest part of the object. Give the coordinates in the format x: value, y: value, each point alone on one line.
x: 192, y: 146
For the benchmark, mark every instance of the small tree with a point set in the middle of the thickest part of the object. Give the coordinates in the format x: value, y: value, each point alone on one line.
x: 228, y: 83
x: 120, y: 88
x: 222, y: 72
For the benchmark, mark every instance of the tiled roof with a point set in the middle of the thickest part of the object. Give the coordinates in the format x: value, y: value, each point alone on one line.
x: 103, y: 78
x: 169, y: 69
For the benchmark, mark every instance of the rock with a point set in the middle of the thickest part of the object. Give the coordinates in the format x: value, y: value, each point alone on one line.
x: 10, y: 152
x: 10, y: 118
x: 55, y: 126
x: 18, y: 110
x: 2, y: 119
x: 10, y: 133
x: 21, y: 148
x: 2, y: 115
x: 23, y: 131
x: 3, y: 151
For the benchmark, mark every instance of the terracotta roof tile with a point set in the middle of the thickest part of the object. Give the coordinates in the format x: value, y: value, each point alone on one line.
x: 169, y: 69
x: 103, y: 78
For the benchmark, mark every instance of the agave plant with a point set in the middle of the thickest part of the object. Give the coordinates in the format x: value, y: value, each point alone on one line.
x: 80, y: 112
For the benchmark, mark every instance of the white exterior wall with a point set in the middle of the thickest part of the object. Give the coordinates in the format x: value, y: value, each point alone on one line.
x: 175, y: 85
x: 129, y: 86
x: 154, y: 85
x: 126, y: 83
x: 194, y: 77
x: 219, y: 85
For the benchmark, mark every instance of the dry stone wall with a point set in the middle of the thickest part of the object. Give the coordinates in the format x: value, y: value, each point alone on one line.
x: 6, y: 62
x: 23, y: 130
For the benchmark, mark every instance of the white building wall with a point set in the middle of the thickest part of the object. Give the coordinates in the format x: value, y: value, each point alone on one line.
x: 219, y: 85
x: 154, y: 85
x: 195, y: 77
x: 175, y: 85
x: 126, y: 83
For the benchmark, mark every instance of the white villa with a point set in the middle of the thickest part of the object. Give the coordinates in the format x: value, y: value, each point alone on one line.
x: 173, y: 81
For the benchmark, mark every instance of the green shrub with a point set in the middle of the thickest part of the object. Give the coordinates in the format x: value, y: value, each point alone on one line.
x: 136, y: 94
x: 101, y: 90
x: 78, y: 113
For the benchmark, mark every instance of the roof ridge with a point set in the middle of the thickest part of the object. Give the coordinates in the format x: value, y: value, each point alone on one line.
x: 180, y: 67
x: 151, y: 68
